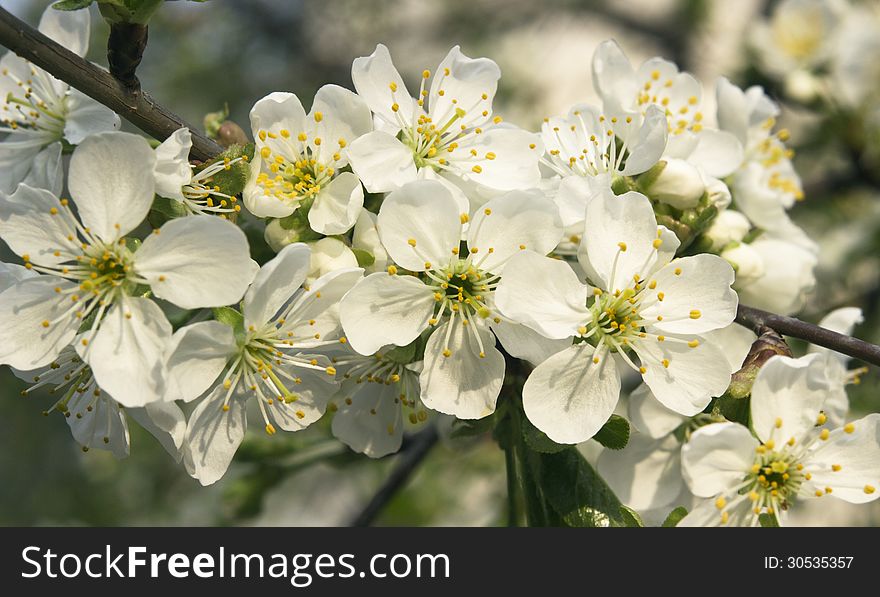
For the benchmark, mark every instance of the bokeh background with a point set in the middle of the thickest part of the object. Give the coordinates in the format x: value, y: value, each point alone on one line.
x: 233, y: 52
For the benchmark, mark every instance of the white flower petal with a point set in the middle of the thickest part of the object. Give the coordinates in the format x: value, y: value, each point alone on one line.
x: 381, y: 162
x: 373, y: 423
x: 506, y: 160
x: 165, y: 422
x: 383, y: 309
x: 512, y: 223
x: 619, y: 240
x: 717, y: 457
x: 646, y: 474
x: 691, y: 377
x: 465, y: 83
x: 573, y: 194
x: 718, y: 153
x: 312, y: 394
x: 649, y: 416
x: 275, y: 284
x: 24, y: 342
x: 278, y: 110
x: 613, y: 76
x: 111, y: 181
x: 328, y: 255
x: 420, y: 224
x: 344, y: 115
x: 317, y: 315
x: 569, y: 397
x: 213, y: 436
x: 86, y: 117
x: 736, y: 342
x: 696, y: 295
x: 197, y: 262
x: 11, y: 274
x: 197, y: 355
x: 858, y: 455
x: 789, y: 277
x: 463, y: 384
x: 523, y: 342
x: 127, y: 354
x: 544, y: 294
x: 787, y: 396
x: 47, y: 171
x: 172, y: 164
x: 17, y: 160
x: 733, y: 114
x: 68, y: 28
x: 337, y: 205
x: 650, y: 142
x: 102, y: 427
x: 842, y: 321
x: 29, y: 228
x: 366, y: 238
x: 373, y: 77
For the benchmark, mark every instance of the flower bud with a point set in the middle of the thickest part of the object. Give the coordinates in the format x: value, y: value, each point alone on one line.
x: 329, y: 254
x: 728, y: 227
x: 677, y: 183
x: 748, y: 263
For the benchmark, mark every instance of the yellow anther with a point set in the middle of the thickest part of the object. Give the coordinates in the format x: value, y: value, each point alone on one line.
x: 694, y: 343
x: 331, y: 370
x: 778, y: 422
x: 395, y: 107
x: 447, y: 352
x: 302, y: 137
x: 720, y: 503
x: 265, y: 152
x: 695, y: 314
x: 665, y: 363
x: 411, y: 242
x: 426, y: 74
x: 392, y: 270
x: 476, y: 169
x: 622, y: 247
x: 677, y: 271
x: 270, y: 429
x: 464, y: 218
x: 828, y: 490
x: 836, y: 467
x: 821, y: 419
x: 824, y: 435
x: 660, y: 296
x: 849, y: 428
x: 319, y: 116
x: 869, y: 489
x: 657, y: 243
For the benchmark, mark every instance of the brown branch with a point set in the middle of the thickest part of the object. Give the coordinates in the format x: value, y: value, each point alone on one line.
x: 755, y: 319
x: 136, y: 107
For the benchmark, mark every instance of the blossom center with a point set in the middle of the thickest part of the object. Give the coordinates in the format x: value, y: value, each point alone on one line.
x: 37, y: 107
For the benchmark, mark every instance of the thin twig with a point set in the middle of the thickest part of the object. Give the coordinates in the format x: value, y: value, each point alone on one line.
x: 754, y: 319
x: 414, y: 453
x: 136, y: 107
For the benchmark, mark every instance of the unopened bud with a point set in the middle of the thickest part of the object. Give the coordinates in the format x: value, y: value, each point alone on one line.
x: 328, y: 255
x: 728, y: 227
x: 748, y: 263
x: 230, y: 134
x: 676, y: 183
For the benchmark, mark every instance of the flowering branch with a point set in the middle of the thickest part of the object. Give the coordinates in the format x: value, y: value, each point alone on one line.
x: 755, y: 319
x: 135, y: 106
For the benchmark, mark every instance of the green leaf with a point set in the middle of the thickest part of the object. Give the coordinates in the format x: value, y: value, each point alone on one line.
x: 675, y: 517
x: 72, y: 4
x: 614, y: 434
x: 630, y: 517
x: 233, y: 319
x: 170, y: 208
x: 537, y: 440
x: 768, y: 520
x: 364, y: 258
x: 574, y: 491
x: 462, y: 428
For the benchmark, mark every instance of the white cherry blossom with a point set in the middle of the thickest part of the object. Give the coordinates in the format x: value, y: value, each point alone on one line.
x: 448, y: 130
x: 95, y: 279
x: 643, y: 302
x: 792, y: 455
x: 39, y: 112
x: 450, y: 291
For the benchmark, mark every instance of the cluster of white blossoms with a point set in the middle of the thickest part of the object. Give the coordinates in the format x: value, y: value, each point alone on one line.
x: 422, y: 245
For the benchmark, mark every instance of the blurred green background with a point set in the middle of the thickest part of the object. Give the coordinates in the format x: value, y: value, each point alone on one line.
x: 202, y: 56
